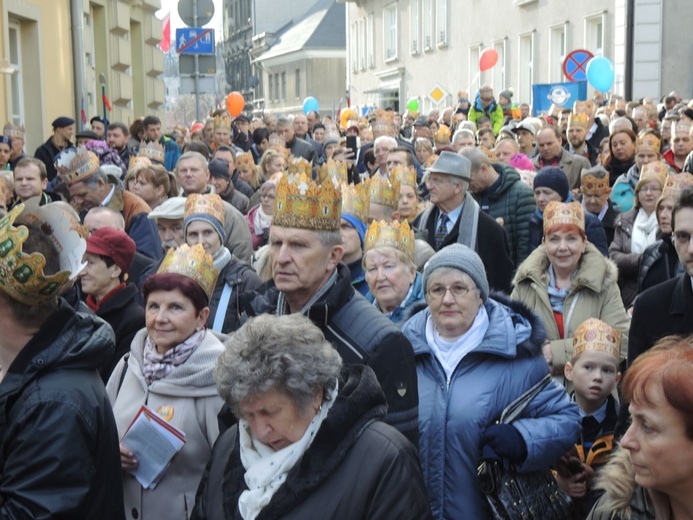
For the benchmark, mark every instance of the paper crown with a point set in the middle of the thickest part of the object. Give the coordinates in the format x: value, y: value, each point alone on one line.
x: 405, y: 176
x: 245, y: 160
x: 384, y: 116
x: 301, y: 203
x: 591, y: 184
x: 193, y: 263
x: 356, y: 200
x: 676, y: 184
x: 22, y: 274
x: 153, y: 151
x: 384, y: 191
x: 579, y: 121
x: 442, y: 136
x: 653, y: 171
x: 647, y: 143
x: 557, y: 213
x: 205, y: 204
x: 13, y: 131
x: 222, y: 121
x: 680, y: 128
x: 596, y: 336
x: 298, y: 166
x: 490, y: 154
x: 76, y: 164
x: 137, y: 161
x: 332, y: 170
x: 390, y: 234
x: 584, y: 107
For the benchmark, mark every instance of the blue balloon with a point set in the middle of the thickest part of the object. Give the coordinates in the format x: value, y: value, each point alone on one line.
x: 600, y: 73
x: 310, y: 104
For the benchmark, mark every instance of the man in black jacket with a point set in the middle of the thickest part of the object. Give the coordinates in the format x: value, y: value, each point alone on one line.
x: 300, y: 148
x: 59, y: 454
x: 63, y: 128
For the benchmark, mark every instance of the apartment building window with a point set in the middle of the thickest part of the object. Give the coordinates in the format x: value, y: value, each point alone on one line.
x: 498, y: 72
x: 297, y: 83
x: 526, y: 66
x: 474, y: 73
x: 557, y: 52
x: 16, y: 86
x: 594, y: 33
x: 283, y: 85
x: 442, y: 22
x: 270, y: 89
x: 354, y: 46
x: 362, y: 43
x: 427, y: 25
x: 414, y: 25
x: 276, y: 87
x: 370, y: 40
x: 390, y: 31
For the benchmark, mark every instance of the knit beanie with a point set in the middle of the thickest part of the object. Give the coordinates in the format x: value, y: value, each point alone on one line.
x: 555, y: 179
x: 507, y: 94
x: 359, y: 226
x: 204, y: 217
x: 460, y: 257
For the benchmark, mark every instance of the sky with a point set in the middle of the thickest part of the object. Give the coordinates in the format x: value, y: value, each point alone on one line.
x: 176, y: 22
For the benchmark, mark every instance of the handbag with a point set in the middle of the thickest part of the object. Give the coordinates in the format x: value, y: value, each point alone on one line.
x: 522, y: 496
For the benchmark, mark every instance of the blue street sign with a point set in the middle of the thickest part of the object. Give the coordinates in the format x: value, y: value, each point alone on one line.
x: 194, y: 40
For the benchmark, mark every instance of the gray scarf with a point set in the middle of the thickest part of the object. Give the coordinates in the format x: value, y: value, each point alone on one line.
x: 469, y: 221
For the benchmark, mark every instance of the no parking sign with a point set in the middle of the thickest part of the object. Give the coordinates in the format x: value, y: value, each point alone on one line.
x: 575, y: 65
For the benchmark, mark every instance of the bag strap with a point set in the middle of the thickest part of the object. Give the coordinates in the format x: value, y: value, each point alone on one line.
x: 126, y: 358
x: 514, y: 409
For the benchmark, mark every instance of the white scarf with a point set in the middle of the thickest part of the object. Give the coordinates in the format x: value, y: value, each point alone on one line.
x: 266, y: 469
x: 450, y: 353
x: 261, y: 221
x: 644, y: 231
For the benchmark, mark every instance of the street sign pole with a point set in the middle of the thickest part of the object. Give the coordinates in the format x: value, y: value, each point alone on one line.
x: 196, y: 73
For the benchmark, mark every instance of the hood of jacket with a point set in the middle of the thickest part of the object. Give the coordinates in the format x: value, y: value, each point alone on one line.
x: 514, y: 330
x: 594, y: 270
x: 509, y: 177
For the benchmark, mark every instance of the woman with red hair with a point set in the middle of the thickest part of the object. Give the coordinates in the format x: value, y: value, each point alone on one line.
x: 652, y: 476
x: 566, y: 280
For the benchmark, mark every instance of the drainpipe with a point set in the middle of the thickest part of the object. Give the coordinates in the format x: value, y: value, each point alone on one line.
x: 78, y: 58
x: 628, y: 73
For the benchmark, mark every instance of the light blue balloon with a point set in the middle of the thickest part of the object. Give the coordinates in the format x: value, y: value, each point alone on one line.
x: 600, y: 73
x: 310, y: 104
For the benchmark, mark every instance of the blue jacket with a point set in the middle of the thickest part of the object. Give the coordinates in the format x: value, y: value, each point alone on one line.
x: 413, y: 300
x: 171, y: 153
x: 454, y: 413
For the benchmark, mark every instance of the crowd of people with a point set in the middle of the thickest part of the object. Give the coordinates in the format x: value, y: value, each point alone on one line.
x: 334, y: 314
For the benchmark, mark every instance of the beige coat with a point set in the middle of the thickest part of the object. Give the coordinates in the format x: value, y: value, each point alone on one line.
x: 593, y: 294
x: 192, y: 395
x: 571, y: 164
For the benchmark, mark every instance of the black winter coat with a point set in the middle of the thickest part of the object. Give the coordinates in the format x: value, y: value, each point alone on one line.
x: 46, y: 153
x: 241, y: 278
x: 356, y: 468
x: 59, y: 455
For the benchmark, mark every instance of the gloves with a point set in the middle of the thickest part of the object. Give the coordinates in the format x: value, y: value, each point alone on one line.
x: 503, y: 441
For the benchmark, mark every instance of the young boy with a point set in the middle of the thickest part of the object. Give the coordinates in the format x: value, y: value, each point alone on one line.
x: 593, y: 370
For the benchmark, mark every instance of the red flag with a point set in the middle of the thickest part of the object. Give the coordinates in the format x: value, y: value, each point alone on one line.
x: 83, y: 113
x: 165, y: 42
x: 106, y: 103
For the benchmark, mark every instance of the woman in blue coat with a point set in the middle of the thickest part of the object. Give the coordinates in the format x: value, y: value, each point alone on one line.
x: 474, y: 356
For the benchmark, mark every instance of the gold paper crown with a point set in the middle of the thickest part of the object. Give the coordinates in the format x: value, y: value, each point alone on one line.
x: 647, y: 143
x: 76, y: 164
x: 596, y: 336
x: 13, y: 131
x: 442, y: 136
x: 298, y: 166
x: 332, y: 170
x: 303, y: 204
x: 564, y: 213
x: 653, y: 171
x: 490, y: 154
x: 390, y: 234
x: 579, y: 120
x: 680, y: 128
x: 193, y: 263
x: 590, y: 184
x: 676, y: 184
x: 137, y: 161
x: 384, y: 191
x: 222, y: 121
x: 22, y: 274
x: 205, y: 204
x: 245, y: 160
x: 584, y: 107
x: 384, y: 116
x: 153, y: 151
x: 405, y: 176
x: 356, y: 200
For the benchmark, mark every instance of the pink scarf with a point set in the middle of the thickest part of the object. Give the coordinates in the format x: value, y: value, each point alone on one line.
x: 157, y: 366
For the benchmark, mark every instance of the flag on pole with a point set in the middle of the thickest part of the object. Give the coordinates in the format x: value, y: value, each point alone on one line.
x: 106, y: 103
x: 165, y: 42
x: 83, y: 113
x: 563, y: 95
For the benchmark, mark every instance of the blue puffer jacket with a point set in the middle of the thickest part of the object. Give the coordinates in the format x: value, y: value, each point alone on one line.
x: 413, y: 300
x: 454, y: 413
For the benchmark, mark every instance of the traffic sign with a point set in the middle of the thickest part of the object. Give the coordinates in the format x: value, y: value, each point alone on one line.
x: 205, y: 64
x: 205, y: 12
x: 205, y: 84
x: 194, y: 40
x: 575, y: 65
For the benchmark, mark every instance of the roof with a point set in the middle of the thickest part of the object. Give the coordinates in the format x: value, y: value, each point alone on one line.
x: 322, y: 28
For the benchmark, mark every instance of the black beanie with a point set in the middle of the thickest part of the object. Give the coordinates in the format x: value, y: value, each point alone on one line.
x: 554, y: 179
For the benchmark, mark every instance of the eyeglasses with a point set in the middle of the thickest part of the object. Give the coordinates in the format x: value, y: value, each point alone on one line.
x: 651, y: 189
x: 681, y: 237
x: 437, y: 292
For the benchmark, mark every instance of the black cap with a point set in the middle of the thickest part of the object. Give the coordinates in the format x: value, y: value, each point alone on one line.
x: 63, y: 121
x: 421, y: 121
x: 219, y: 168
x: 87, y: 134
x: 242, y: 119
x: 97, y: 119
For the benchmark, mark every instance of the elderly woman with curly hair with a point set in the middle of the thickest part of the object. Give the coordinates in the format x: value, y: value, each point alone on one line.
x: 310, y: 443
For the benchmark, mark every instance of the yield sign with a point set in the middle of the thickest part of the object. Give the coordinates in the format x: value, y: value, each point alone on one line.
x: 575, y: 65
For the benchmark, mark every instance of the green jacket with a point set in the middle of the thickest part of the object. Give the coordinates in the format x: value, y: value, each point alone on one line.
x: 511, y: 205
x: 496, y: 117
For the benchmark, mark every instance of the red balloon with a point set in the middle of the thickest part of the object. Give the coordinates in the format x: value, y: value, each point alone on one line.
x: 235, y: 103
x: 487, y: 59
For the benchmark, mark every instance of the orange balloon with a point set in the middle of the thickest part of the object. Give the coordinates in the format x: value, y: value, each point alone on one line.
x: 487, y: 59
x: 235, y: 103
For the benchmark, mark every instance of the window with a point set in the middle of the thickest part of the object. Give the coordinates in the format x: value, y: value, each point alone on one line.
x: 557, y: 52
x: 474, y: 73
x: 370, y: 40
x: 270, y: 89
x: 390, y: 31
x: 526, y: 66
x: 498, y: 72
x: 297, y: 83
x: 283, y: 85
x: 414, y: 26
x: 428, y: 25
x: 276, y: 87
x: 362, y: 44
x: 442, y: 22
x: 354, y: 46
x: 594, y: 34
x: 16, y: 86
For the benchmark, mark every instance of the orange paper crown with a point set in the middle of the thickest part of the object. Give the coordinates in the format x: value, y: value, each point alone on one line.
x: 153, y: 151
x: 299, y: 166
x: 564, y: 213
x: 356, y: 200
x: 76, y: 164
x: 491, y: 154
x: 585, y: 107
x: 222, y: 121
x: 442, y: 136
x: 13, y: 131
x: 194, y: 263
x: 647, y: 143
x: 384, y: 191
x: 596, y: 336
x: 594, y: 181
x: 301, y: 203
x: 676, y: 184
x: 137, y: 161
x: 390, y: 234
x: 245, y: 160
x: 205, y: 204
x: 653, y: 171
x: 405, y: 176
x: 579, y: 121
x: 332, y: 169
